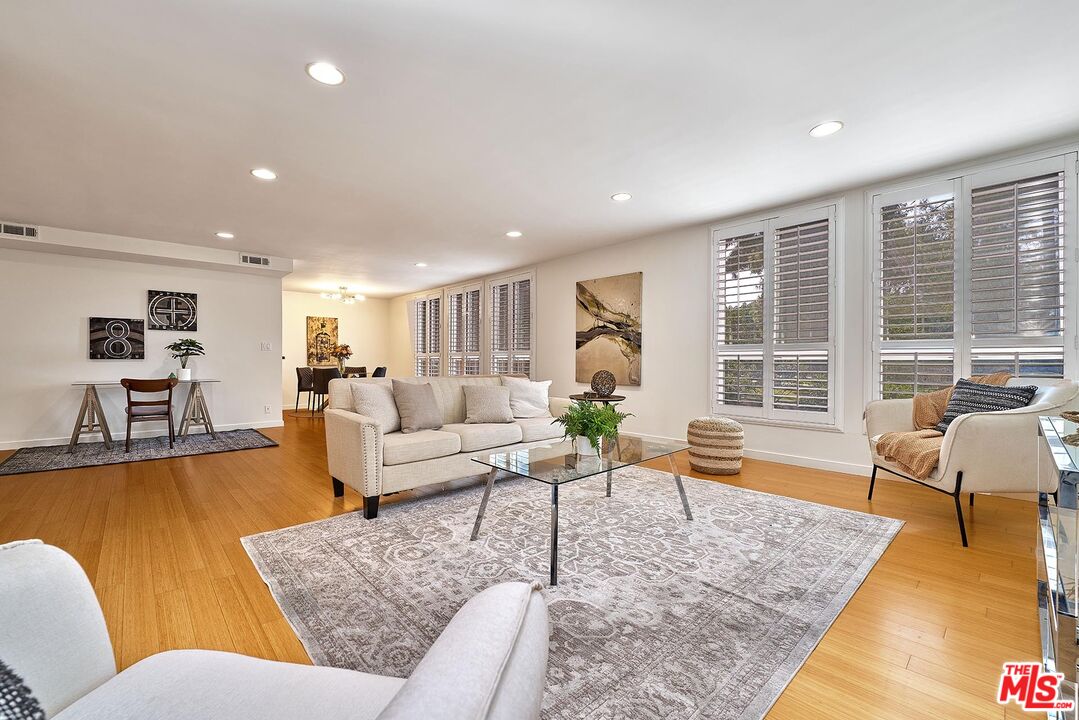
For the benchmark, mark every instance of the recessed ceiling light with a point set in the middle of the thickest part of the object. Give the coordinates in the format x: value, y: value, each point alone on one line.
x: 264, y: 174
x: 325, y: 73
x: 225, y: 235
x: 621, y: 197
x: 420, y: 264
x: 514, y: 234
x: 826, y: 128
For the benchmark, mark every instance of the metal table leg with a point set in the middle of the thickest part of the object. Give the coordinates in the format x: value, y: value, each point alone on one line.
x: 483, y: 503
x: 681, y: 490
x: 554, y: 534
x: 608, y: 483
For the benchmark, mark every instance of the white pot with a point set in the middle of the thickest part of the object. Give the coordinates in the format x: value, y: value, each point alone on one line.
x: 183, y: 374
x: 584, y: 447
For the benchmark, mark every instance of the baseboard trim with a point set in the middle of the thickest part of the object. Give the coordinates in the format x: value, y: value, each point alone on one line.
x: 95, y: 437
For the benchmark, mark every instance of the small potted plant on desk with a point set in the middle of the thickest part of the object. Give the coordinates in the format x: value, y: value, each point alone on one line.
x: 184, y: 349
x: 341, y: 353
x: 587, y: 423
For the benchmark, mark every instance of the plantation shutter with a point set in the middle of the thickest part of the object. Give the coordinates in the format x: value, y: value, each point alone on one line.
x: 463, y: 331
x: 739, y: 320
x: 419, y: 337
x: 500, y: 328
x: 522, y: 328
x: 511, y: 326
x: 426, y: 341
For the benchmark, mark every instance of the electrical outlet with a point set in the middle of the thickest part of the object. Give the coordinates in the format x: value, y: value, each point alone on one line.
x: 267, y: 409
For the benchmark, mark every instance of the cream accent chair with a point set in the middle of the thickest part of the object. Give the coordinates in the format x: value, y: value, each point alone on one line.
x: 490, y: 663
x: 982, y: 451
x: 374, y: 463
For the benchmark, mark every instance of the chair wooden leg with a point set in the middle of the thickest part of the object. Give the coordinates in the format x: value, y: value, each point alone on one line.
x: 872, y: 482
x: 972, y: 499
x: 172, y: 433
x: 297, y: 401
x: 127, y: 442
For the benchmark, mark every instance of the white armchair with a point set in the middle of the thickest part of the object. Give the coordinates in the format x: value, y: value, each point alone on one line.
x: 982, y: 451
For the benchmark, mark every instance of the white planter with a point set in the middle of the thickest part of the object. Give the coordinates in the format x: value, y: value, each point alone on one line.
x: 584, y: 447
x: 183, y: 374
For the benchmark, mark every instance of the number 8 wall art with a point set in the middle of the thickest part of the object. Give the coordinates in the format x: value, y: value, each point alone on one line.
x: 117, y: 339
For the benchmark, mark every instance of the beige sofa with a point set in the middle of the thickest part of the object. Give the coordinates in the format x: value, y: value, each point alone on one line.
x: 373, y: 463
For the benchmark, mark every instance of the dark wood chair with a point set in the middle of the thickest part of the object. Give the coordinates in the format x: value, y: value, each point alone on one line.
x: 358, y: 372
x: 146, y: 410
x: 380, y: 372
x: 323, y: 375
x: 305, y: 383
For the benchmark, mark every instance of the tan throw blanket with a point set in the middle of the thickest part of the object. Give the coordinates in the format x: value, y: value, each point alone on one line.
x: 918, y: 452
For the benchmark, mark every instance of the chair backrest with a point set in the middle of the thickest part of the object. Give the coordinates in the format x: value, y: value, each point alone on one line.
x: 323, y: 375
x: 380, y: 371
x: 52, y: 632
x: 490, y: 663
x: 149, y: 386
x: 305, y: 379
x: 1052, y: 392
x: 360, y: 371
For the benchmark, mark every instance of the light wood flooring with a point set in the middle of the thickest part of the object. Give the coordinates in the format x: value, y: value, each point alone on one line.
x: 924, y: 637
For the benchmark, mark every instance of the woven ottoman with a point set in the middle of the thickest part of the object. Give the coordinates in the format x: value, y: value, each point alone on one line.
x: 715, y: 445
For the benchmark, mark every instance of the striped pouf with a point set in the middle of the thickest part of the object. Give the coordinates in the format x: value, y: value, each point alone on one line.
x: 715, y: 445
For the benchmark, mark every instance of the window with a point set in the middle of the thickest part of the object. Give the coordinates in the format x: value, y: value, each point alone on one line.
x: 510, y: 313
x: 463, y: 330
x: 427, y: 334
x: 969, y: 277
x: 773, y: 318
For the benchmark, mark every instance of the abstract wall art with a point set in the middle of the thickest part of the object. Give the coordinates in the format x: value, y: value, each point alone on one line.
x: 609, y: 328
x: 117, y: 339
x: 321, y: 339
x: 167, y: 310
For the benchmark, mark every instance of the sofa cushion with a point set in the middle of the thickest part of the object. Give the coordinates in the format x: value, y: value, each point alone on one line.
x: 375, y: 400
x: 528, y: 399
x: 208, y: 685
x: 399, y: 447
x: 487, y: 404
x: 539, y: 428
x: 970, y: 397
x: 417, y: 405
x: 484, y: 435
x: 490, y: 663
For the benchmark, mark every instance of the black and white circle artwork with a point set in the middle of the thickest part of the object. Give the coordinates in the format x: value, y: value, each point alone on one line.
x: 167, y: 310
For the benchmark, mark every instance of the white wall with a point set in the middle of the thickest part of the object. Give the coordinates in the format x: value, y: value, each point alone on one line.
x: 364, y: 326
x: 45, y: 303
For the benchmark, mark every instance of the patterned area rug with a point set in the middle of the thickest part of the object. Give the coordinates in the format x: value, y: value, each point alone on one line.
x: 56, y: 457
x: 654, y: 616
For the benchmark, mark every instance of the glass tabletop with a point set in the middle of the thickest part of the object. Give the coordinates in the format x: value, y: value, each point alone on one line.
x: 116, y: 383
x: 558, y: 463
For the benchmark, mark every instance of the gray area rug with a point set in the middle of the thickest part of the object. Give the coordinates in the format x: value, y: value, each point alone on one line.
x: 56, y: 457
x: 654, y: 616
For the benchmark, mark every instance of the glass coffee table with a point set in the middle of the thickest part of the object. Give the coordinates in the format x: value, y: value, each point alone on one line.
x: 558, y: 464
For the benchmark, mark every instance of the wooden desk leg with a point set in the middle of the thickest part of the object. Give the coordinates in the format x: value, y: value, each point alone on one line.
x: 204, y: 411
x: 185, y: 416
x: 98, y: 415
x: 80, y: 420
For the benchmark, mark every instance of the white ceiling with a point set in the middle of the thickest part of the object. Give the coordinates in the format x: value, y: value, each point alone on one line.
x: 462, y: 119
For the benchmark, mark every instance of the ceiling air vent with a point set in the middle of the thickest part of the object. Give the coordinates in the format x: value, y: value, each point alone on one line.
x: 19, y: 230
x: 254, y: 260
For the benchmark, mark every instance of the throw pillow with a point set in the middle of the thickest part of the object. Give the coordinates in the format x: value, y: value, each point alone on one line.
x: 528, y: 399
x: 971, y: 397
x: 375, y: 400
x: 417, y: 406
x: 16, y: 700
x: 487, y: 404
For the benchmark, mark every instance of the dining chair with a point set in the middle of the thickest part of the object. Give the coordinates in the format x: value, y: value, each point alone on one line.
x: 380, y: 371
x: 305, y: 383
x: 146, y: 410
x: 360, y: 372
x: 323, y: 375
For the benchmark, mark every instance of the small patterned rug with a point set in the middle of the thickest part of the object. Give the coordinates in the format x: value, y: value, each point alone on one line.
x: 654, y: 617
x: 56, y: 457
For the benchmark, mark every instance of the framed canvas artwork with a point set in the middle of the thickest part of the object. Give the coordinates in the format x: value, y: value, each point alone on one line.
x: 321, y: 339
x: 166, y: 310
x: 609, y: 328
x: 117, y: 339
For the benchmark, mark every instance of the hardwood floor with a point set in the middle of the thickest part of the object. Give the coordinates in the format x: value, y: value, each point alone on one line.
x: 924, y: 637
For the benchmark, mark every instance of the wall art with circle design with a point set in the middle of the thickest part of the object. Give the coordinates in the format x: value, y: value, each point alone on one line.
x: 166, y: 310
x: 117, y: 339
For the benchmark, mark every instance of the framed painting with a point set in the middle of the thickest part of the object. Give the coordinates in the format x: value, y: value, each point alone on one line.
x: 117, y: 339
x: 166, y: 310
x: 609, y: 328
x: 321, y: 339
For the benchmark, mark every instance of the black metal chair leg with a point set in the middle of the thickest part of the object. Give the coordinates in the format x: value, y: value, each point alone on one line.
x: 972, y: 499
x: 872, y: 481
x: 959, y: 506
x: 297, y: 401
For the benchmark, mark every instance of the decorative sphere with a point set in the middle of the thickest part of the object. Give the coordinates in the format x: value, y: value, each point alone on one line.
x: 603, y: 383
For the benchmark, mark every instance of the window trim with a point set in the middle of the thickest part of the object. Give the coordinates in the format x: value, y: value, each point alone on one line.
x: 834, y: 210
x: 962, y: 181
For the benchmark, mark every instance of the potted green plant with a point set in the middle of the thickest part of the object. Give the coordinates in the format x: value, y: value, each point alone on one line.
x: 587, y: 423
x: 184, y: 349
